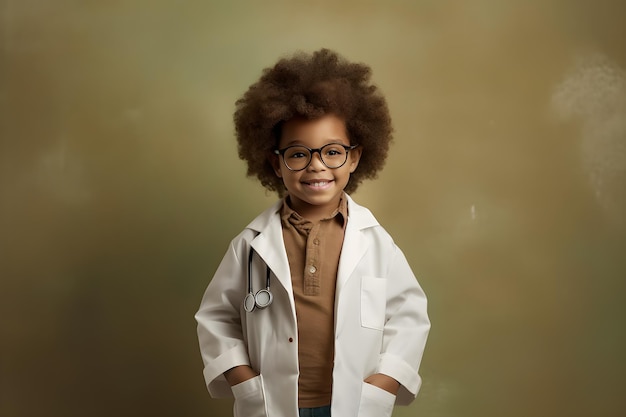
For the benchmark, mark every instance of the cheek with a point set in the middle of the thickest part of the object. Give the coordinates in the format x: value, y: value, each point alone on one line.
x: 290, y: 179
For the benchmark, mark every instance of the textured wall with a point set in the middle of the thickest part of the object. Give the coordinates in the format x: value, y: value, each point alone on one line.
x: 120, y: 189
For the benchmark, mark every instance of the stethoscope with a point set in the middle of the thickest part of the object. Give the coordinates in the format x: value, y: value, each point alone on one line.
x: 263, y: 297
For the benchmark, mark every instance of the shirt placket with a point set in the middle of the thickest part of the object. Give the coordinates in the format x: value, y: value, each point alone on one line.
x: 312, y: 267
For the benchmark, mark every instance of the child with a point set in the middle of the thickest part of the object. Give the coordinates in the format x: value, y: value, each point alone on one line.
x: 314, y: 310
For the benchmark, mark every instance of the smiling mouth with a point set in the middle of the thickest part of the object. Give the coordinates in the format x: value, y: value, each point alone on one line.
x: 317, y: 183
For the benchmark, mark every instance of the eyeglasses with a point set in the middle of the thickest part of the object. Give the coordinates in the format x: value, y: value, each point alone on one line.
x: 298, y: 157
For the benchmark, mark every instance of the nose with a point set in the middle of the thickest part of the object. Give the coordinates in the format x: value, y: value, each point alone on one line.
x: 316, y: 161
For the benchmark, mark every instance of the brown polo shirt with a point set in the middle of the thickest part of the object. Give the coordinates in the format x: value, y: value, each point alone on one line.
x: 313, y: 251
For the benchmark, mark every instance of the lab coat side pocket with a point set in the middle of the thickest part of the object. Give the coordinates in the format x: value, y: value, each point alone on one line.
x: 375, y: 402
x: 250, y: 398
x: 373, y: 302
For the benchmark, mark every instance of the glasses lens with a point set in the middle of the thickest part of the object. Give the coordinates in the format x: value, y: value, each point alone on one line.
x: 334, y: 155
x: 297, y: 157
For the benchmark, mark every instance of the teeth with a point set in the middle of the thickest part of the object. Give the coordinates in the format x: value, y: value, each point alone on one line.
x: 319, y: 184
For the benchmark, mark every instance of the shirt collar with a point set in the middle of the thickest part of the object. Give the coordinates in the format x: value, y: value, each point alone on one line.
x: 290, y: 216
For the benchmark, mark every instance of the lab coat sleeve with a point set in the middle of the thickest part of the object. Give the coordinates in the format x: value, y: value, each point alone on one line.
x: 220, y: 332
x: 406, y: 328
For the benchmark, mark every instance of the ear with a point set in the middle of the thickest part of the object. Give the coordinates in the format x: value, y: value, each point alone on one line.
x: 354, y: 156
x: 275, y: 162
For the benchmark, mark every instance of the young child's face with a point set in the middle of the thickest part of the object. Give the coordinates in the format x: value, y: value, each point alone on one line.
x: 316, y: 190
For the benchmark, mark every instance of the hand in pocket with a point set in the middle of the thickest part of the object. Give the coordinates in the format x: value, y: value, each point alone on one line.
x: 250, y: 398
x: 375, y: 402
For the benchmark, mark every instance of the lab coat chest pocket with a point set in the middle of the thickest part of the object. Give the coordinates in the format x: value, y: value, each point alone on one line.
x: 373, y: 302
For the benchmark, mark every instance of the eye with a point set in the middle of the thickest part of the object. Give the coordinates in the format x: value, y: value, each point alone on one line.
x: 334, y: 151
x: 297, y: 155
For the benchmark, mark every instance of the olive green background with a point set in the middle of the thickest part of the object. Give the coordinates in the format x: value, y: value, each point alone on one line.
x: 121, y: 188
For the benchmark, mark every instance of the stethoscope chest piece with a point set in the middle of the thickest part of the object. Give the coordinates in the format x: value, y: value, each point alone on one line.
x: 260, y: 300
x: 249, y: 303
x: 263, y: 297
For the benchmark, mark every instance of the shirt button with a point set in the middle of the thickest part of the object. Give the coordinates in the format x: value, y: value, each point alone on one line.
x: 316, y: 241
x: 291, y: 340
x: 312, y: 269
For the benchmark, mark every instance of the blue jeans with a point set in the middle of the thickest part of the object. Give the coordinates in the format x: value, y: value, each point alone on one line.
x: 315, y: 412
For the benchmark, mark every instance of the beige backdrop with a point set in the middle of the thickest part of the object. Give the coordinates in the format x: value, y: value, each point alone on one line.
x: 121, y: 188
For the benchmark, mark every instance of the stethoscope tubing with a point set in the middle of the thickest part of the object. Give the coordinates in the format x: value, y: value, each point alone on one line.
x: 263, y: 297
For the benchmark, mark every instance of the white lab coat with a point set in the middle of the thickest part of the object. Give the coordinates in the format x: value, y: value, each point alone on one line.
x: 381, y: 323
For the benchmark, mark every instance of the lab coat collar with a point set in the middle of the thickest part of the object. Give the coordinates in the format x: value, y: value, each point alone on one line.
x: 269, y: 242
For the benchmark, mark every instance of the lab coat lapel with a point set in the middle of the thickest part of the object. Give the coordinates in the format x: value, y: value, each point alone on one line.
x: 354, y: 248
x: 354, y: 243
x: 269, y: 245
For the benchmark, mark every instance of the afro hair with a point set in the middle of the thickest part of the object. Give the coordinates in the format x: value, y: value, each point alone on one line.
x: 311, y: 86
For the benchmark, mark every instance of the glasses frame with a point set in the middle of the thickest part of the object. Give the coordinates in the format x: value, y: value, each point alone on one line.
x: 282, y: 151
